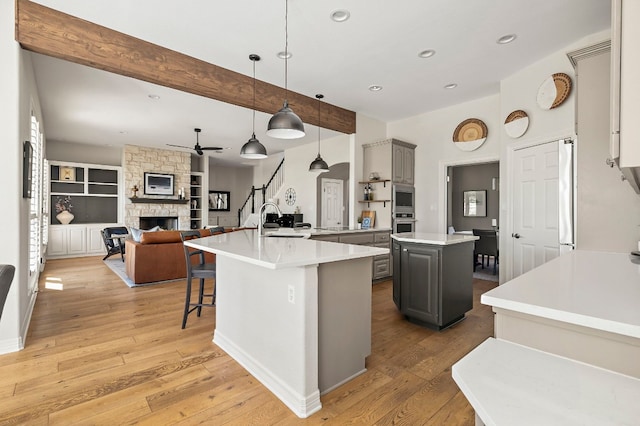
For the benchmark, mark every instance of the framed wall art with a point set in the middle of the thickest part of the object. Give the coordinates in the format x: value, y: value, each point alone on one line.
x: 475, y: 204
x: 219, y: 201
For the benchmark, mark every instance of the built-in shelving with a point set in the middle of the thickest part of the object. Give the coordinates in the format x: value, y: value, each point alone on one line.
x: 197, y: 200
x: 90, y: 189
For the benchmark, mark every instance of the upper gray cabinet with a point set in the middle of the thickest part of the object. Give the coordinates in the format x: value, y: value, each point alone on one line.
x: 403, y: 162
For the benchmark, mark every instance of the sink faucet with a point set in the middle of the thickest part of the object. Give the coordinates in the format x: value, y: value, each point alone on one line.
x: 260, y: 211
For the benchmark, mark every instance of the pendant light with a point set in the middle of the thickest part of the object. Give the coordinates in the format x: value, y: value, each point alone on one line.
x: 253, y: 149
x: 319, y: 165
x: 285, y: 124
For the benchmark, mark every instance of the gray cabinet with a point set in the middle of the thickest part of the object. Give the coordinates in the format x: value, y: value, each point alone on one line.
x: 403, y: 162
x: 381, y: 267
x: 432, y: 284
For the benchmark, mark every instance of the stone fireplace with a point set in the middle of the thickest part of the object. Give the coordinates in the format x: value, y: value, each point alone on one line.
x: 139, y: 159
x: 164, y: 222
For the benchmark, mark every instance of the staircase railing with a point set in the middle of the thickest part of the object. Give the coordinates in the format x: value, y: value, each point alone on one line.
x: 268, y: 191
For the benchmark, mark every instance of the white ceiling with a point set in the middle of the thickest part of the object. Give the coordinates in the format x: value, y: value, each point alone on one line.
x: 379, y: 45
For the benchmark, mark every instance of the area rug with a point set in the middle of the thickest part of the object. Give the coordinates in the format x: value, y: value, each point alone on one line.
x: 487, y: 273
x: 117, y: 266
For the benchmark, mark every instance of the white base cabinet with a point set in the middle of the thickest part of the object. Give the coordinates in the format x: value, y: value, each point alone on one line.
x: 76, y: 240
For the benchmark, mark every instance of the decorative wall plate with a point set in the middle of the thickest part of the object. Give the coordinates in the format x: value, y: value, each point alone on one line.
x: 470, y: 134
x: 516, y: 123
x: 554, y: 91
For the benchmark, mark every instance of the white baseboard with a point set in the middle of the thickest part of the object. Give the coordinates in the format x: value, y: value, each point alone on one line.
x: 302, y: 406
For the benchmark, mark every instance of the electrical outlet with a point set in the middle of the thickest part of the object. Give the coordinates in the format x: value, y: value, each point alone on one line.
x: 291, y: 294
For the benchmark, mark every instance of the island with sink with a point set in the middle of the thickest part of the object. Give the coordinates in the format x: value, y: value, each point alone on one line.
x: 294, y: 311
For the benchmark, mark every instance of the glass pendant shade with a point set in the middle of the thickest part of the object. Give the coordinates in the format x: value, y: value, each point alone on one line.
x: 253, y: 149
x: 285, y: 124
x: 319, y: 165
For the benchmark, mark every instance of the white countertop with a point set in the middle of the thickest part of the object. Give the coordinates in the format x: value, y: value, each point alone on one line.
x: 510, y: 384
x: 433, y: 238
x: 600, y: 290
x: 279, y: 253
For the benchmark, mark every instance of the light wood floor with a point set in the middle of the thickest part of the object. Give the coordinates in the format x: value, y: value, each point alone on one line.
x: 99, y: 352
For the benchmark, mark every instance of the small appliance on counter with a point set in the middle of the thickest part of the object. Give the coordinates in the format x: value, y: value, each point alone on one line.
x: 273, y: 221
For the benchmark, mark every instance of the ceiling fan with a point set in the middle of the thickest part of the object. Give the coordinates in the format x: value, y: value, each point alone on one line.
x: 197, y: 148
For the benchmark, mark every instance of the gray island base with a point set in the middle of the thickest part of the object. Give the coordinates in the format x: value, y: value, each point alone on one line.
x: 432, y: 277
x: 296, y: 313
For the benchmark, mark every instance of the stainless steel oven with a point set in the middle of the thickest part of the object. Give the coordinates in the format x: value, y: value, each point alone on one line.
x: 404, y: 222
x: 403, y: 199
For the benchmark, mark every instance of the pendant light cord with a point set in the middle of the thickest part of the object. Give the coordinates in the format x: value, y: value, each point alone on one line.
x: 254, y: 98
x: 286, y: 50
x: 319, y: 97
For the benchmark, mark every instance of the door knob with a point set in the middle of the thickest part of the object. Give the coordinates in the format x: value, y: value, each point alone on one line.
x: 515, y: 235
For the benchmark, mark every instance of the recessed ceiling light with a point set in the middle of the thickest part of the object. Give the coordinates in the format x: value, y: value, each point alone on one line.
x: 427, y: 53
x: 340, y: 15
x: 154, y: 97
x: 283, y: 55
x: 375, y: 88
x: 505, y: 39
x: 451, y: 86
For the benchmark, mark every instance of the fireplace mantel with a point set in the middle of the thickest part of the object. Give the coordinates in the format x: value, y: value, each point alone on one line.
x: 158, y: 200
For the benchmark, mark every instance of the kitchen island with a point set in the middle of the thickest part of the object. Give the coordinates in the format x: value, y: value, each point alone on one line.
x: 584, y: 305
x: 566, y: 347
x: 432, y: 279
x: 295, y: 312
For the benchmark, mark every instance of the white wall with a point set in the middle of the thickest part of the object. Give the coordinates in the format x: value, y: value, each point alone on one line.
x: 433, y: 134
x: 83, y: 153
x: 297, y: 175
x: 368, y: 130
x: 17, y: 85
x: 236, y: 180
x: 609, y: 210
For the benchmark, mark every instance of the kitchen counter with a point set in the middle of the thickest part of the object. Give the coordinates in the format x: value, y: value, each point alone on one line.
x: 433, y: 238
x: 584, y: 305
x: 599, y: 290
x: 294, y: 312
x: 284, y: 248
x: 567, y: 345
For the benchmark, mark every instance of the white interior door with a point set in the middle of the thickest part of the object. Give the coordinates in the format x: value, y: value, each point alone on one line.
x: 535, y: 206
x: 332, y: 205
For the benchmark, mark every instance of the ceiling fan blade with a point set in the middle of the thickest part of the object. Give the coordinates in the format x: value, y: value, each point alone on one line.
x: 180, y: 146
x: 211, y: 148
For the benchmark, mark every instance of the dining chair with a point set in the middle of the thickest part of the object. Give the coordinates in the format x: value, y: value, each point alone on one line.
x: 199, y: 270
x: 487, y: 245
x: 114, y: 245
x: 6, y: 277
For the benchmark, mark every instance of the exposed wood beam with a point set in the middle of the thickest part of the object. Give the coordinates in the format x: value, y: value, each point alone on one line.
x: 50, y: 32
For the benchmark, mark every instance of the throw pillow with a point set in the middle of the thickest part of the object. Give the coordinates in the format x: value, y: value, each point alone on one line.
x: 136, y: 233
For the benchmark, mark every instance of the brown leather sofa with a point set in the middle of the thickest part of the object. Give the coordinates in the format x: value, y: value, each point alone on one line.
x: 158, y: 256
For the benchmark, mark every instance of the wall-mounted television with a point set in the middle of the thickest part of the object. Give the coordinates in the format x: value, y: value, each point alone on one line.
x: 158, y: 184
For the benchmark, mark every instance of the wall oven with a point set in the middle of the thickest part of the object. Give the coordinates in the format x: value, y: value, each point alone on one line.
x: 404, y: 222
x: 403, y: 199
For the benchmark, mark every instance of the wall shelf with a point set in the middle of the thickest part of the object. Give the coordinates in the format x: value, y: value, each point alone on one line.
x: 375, y: 201
x: 384, y: 181
x: 158, y: 200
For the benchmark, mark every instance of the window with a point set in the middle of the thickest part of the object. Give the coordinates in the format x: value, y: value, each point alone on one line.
x: 37, y: 225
